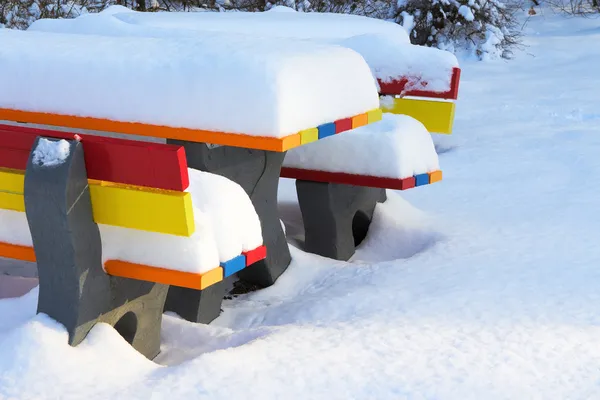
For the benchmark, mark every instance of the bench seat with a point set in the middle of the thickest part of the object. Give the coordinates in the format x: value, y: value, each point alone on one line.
x: 227, y: 240
x: 395, y: 153
x: 339, y: 181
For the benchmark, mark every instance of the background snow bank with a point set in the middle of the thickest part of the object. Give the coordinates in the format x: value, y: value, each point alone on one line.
x: 398, y: 146
x: 276, y: 87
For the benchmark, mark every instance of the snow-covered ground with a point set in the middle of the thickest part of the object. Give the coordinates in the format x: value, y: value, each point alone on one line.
x: 483, y: 286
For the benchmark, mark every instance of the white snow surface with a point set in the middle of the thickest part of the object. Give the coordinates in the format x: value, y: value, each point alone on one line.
x: 50, y: 153
x: 384, y: 45
x: 226, y: 225
x: 275, y: 87
x: 484, y: 286
x: 398, y: 146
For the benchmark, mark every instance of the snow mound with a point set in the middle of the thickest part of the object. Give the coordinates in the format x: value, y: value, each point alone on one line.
x: 276, y: 87
x: 398, y: 146
x: 384, y: 45
x: 226, y: 225
x: 50, y: 153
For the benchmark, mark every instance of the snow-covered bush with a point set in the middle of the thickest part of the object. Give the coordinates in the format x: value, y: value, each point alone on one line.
x: 576, y: 7
x: 21, y: 13
x: 487, y: 28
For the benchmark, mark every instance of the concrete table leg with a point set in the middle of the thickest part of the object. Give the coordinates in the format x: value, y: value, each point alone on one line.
x: 257, y: 171
x: 336, y: 216
x: 74, y: 289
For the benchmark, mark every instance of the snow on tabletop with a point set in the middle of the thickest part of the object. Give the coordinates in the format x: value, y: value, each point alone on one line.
x: 50, y: 153
x: 384, y: 45
x: 216, y: 81
x: 226, y: 225
x: 398, y: 146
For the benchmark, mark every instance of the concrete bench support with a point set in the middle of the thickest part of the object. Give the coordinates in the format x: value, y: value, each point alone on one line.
x: 336, y: 216
x: 257, y: 172
x: 74, y: 289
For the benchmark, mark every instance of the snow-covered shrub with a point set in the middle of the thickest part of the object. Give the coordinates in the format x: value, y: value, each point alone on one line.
x: 21, y: 13
x: 576, y: 7
x: 487, y: 28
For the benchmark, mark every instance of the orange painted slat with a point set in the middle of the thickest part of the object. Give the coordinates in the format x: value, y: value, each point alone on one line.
x: 130, y: 270
x: 162, y: 275
x: 435, y: 176
x: 360, y: 120
x: 167, y: 132
x: 17, y: 252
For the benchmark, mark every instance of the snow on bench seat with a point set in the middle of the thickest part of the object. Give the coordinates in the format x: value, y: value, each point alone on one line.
x: 218, y: 88
x: 228, y: 237
x: 400, y: 68
x: 395, y: 153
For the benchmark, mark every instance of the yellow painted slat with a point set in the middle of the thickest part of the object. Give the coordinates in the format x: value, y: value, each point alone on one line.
x: 11, y: 189
x: 374, y: 115
x: 146, y: 209
x: 309, y: 135
x: 134, y: 207
x: 437, y: 116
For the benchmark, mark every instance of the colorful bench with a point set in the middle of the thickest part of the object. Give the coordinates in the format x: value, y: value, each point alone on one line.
x: 340, y: 181
x: 410, y: 95
x: 92, y: 180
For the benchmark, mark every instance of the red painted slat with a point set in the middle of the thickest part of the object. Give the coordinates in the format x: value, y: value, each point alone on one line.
x: 342, y: 125
x: 253, y: 256
x: 348, y: 179
x: 130, y: 162
x: 397, y: 87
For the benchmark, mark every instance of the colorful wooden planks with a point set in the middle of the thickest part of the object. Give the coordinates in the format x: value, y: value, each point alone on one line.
x: 193, y: 135
x: 398, y: 86
x: 17, y: 252
x: 437, y: 116
x: 107, y: 159
x: 134, y: 207
x: 166, y: 276
x: 361, y: 180
x: 162, y: 275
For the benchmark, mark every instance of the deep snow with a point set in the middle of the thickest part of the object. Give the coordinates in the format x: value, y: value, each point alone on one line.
x: 489, y: 290
x: 194, y: 82
x: 385, y: 46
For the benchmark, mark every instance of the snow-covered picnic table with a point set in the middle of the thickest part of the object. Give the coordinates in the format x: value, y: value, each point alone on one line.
x: 397, y: 65
x: 255, y: 98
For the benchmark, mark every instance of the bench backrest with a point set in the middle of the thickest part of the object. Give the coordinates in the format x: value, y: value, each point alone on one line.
x: 416, y: 101
x: 129, y: 181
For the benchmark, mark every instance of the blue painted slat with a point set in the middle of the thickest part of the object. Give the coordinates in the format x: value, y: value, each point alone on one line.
x: 421, y: 179
x: 326, y: 130
x: 234, y: 265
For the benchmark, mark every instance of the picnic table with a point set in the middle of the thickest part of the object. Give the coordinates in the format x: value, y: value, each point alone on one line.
x: 411, y: 80
x: 232, y: 97
x: 285, y: 93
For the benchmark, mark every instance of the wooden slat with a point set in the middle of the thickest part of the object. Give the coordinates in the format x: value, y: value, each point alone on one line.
x: 192, y: 135
x: 149, y: 273
x: 162, y: 275
x: 108, y: 159
x: 167, y: 132
x: 132, y: 207
x: 397, y: 87
x: 17, y: 252
x: 437, y: 116
x: 130, y: 270
x: 353, y: 179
